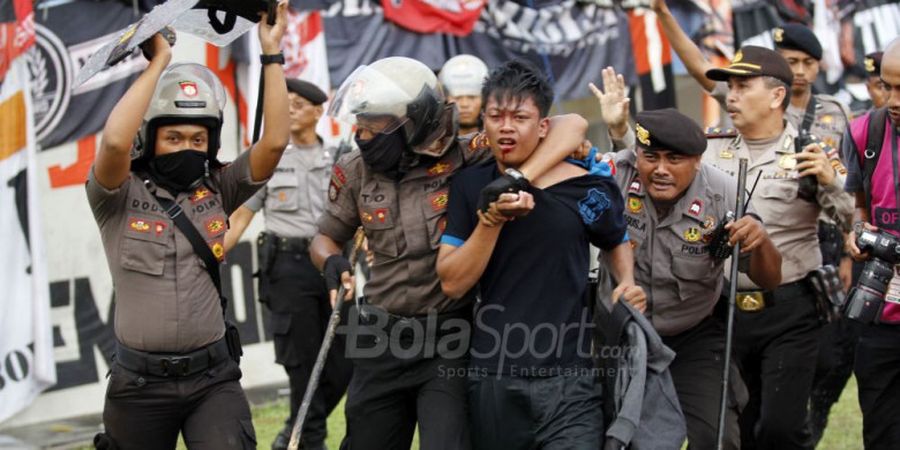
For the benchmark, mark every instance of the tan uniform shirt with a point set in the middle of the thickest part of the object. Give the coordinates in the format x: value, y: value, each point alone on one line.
x: 294, y: 197
x: 790, y: 221
x: 403, y: 221
x: 165, y: 299
x: 830, y: 121
x: 672, y: 264
x: 828, y: 127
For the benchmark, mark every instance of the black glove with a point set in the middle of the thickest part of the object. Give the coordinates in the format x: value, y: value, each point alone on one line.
x: 505, y: 184
x: 613, y: 444
x: 335, y: 265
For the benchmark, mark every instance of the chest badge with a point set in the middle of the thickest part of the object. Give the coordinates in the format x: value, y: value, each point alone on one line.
x: 438, y: 201
x: 218, y: 251
x: 787, y: 162
x: 692, y: 234
x: 696, y: 208
x: 139, y: 225
x: 726, y: 154
x: 439, y: 168
x: 634, y: 187
x: 635, y: 205
x: 200, y: 194
x: 709, y: 223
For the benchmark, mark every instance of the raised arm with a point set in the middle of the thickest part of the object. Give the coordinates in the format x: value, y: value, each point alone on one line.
x: 238, y: 222
x: 265, y: 154
x: 113, y: 161
x: 687, y: 51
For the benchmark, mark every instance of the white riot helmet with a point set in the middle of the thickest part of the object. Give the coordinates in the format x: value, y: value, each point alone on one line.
x: 463, y: 75
x: 186, y: 93
x: 392, y: 93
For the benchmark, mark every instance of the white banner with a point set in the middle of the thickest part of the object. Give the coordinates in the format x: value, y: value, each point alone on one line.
x: 26, y: 345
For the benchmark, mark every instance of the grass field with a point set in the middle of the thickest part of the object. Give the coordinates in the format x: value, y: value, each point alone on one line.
x: 844, y: 430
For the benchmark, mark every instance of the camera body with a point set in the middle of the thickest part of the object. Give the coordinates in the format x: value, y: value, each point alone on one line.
x: 808, y: 184
x: 867, y: 297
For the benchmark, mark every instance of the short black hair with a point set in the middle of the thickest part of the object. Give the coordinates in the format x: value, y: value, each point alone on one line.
x: 515, y: 81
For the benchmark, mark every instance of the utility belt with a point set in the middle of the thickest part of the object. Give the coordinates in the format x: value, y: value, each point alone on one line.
x: 371, y: 315
x: 283, y: 244
x: 172, y: 364
x: 758, y: 300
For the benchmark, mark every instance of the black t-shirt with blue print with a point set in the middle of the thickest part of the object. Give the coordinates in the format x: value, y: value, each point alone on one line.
x: 531, y: 318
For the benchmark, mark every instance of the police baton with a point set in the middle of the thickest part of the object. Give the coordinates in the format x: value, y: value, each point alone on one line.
x: 732, y: 295
x: 297, y: 430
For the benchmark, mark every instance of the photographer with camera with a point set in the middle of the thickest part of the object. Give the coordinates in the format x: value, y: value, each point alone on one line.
x: 875, y: 300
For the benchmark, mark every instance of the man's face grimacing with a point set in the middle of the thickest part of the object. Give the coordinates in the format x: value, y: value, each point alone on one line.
x: 666, y: 175
x: 515, y: 128
x: 750, y: 100
x: 174, y: 138
x: 302, y: 112
x: 469, y: 107
x: 804, y: 67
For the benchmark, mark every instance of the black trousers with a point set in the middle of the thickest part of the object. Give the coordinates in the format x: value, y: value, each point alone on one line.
x: 394, y: 387
x: 209, y: 408
x: 300, y: 307
x: 776, y: 349
x: 697, y: 375
x: 877, y: 370
x: 555, y: 413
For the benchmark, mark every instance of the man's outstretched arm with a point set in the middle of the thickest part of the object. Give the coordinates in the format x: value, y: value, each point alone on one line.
x: 687, y: 51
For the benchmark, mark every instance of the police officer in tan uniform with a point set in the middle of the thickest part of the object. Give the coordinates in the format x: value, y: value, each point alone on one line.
x: 673, y: 205
x: 777, y: 330
x: 396, y: 188
x: 173, y: 370
x: 288, y: 283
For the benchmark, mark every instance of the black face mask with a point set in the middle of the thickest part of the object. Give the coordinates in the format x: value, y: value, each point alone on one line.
x: 179, y: 171
x: 383, y: 152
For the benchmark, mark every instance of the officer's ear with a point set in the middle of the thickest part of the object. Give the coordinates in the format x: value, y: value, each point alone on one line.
x: 319, y: 111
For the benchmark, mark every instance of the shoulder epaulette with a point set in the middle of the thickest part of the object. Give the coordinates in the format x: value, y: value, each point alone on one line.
x: 479, y: 141
x: 713, y: 133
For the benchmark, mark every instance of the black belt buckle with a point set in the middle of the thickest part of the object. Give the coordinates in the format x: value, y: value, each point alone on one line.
x: 175, y: 366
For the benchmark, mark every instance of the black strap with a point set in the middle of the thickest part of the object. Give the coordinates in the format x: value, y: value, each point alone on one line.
x: 809, y: 116
x: 896, y: 167
x: 201, y: 248
x: 872, y: 152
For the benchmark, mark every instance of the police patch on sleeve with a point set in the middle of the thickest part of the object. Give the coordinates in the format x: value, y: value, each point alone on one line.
x: 592, y: 206
x: 338, y: 179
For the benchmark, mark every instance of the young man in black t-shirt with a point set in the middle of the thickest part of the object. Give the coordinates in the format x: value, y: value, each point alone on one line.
x: 531, y: 378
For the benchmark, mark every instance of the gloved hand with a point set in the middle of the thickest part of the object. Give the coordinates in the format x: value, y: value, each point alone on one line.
x: 335, y: 265
x: 504, y: 184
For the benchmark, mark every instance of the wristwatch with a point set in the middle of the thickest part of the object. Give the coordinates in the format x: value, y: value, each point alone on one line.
x: 515, y: 174
x: 277, y: 58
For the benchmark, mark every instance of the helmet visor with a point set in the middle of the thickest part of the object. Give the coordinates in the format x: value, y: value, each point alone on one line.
x: 372, y: 100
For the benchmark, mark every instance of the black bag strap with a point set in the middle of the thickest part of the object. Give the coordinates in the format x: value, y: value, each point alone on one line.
x: 809, y: 116
x: 201, y: 248
x: 872, y: 152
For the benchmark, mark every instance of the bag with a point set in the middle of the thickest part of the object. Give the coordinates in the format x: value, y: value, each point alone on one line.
x: 830, y: 297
